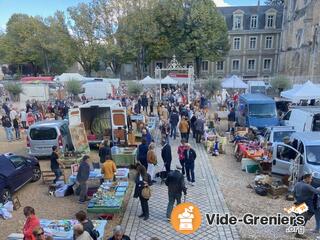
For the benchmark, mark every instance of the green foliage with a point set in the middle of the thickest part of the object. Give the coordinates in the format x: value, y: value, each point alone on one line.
x: 280, y: 83
x: 14, y: 90
x: 134, y: 89
x: 36, y: 41
x: 211, y: 86
x: 86, y: 36
x: 73, y: 87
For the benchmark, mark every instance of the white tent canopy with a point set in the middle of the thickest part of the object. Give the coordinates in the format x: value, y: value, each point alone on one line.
x: 307, y: 91
x: 233, y: 82
x: 149, y: 81
x: 64, y: 77
x: 169, y: 80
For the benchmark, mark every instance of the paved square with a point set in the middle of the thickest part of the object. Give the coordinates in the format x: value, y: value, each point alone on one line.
x: 206, y: 194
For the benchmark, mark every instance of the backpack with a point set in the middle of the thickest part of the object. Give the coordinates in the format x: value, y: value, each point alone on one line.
x: 146, y: 192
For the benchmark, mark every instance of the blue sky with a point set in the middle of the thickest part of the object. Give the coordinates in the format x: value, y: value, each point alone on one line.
x: 48, y: 7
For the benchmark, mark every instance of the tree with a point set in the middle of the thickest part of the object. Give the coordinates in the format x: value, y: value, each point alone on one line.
x: 73, y: 87
x: 14, y: 90
x: 211, y: 86
x: 86, y: 36
x: 35, y: 41
x: 193, y: 30
x: 274, y: 2
x: 280, y: 83
x: 134, y: 89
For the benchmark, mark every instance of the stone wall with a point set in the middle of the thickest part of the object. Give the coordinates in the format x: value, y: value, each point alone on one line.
x: 300, y: 43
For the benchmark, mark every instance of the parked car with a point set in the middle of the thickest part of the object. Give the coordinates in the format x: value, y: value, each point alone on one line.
x: 43, y: 135
x: 277, y: 134
x: 304, y: 119
x: 303, y: 144
x: 15, y: 172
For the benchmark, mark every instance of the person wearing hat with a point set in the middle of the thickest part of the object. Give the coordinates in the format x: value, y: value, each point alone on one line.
x: 176, y: 185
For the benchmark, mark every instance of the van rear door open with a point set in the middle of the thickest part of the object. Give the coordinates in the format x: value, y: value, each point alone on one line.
x: 118, y: 119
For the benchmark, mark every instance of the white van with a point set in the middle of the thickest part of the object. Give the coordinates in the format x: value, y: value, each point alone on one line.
x: 306, y: 145
x: 303, y: 119
x: 257, y: 87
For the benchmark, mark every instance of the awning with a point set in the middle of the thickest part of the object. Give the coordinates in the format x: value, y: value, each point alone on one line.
x: 37, y: 79
x: 307, y: 91
x: 233, y: 82
x: 169, y: 80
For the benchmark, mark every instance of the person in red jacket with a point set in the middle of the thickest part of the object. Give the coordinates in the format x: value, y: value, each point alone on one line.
x: 31, y: 223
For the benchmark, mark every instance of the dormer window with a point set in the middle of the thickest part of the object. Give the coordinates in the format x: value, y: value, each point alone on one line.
x: 253, y: 21
x: 238, y: 20
x: 270, y: 21
x: 271, y: 18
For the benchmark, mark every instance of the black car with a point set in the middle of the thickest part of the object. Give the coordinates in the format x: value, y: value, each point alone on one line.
x: 15, y: 172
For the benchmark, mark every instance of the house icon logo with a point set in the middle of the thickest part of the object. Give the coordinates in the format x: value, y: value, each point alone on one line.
x: 186, y: 218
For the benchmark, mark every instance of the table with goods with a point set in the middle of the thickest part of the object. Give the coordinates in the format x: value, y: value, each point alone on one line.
x: 62, y: 229
x: 95, y: 174
x: 109, y: 198
x: 124, y: 156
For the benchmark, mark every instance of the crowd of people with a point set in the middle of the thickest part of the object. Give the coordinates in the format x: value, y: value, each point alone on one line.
x: 13, y: 120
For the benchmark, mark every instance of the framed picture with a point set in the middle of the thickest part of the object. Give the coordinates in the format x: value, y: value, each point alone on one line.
x: 16, y: 203
x: 74, y: 169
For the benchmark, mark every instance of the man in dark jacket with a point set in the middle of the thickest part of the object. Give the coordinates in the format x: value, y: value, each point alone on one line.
x: 104, y: 151
x: 176, y: 185
x: 6, y: 123
x: 166, y: 155
x: 174, y: 119
x: 82, y: 178
x: 144, y: 103
x: 192, y: 122
x: 199, y: 127
x: 189, y: 158
x: 304, y: 193
x: 142, y: 153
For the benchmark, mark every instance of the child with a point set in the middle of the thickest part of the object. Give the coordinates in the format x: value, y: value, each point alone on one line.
x: 16, y: 127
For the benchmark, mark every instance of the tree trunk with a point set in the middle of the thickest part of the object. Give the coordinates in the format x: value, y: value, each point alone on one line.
x: 197, y: 69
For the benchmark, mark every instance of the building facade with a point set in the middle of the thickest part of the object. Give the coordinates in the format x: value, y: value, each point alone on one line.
x: 254, y: 34
x: 300, y: 42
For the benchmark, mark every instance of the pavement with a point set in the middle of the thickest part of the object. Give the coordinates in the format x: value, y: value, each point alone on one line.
x: 206, y: 194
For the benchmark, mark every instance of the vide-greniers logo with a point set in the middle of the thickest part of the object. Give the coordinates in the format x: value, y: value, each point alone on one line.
x: 186, y: 218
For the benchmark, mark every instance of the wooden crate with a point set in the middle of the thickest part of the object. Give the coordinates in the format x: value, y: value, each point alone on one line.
x: 48, y: 177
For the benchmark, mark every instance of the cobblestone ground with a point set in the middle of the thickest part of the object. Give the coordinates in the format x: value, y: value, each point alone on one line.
x: 206, y: 194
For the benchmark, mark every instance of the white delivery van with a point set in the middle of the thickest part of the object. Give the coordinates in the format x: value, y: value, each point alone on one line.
x: 256, y: 87
x: 303, y: 119
x: 97, y: 90
x: 101, y: 118
x: 30, y: 91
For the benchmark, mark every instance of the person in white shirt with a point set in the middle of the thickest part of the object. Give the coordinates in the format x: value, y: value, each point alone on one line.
x: 13, y: 114
x: 23, y: 118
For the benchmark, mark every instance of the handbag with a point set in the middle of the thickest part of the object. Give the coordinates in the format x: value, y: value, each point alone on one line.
x: 146, y: 192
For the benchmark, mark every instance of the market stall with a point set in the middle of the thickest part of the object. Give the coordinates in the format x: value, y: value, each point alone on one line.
x: 109, y: 197
x: 125, y: 156
x: 121, y: 174
x: 63, y: 229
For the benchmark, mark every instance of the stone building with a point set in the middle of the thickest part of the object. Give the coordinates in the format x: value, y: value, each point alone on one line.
x: 300, y: 44
x: 254, y: 33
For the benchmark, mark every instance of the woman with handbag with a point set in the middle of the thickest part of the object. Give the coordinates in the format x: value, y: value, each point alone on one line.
x: 142, y: 190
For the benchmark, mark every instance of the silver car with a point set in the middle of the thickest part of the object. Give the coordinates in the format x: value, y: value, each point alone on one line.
x: 42, y: 136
